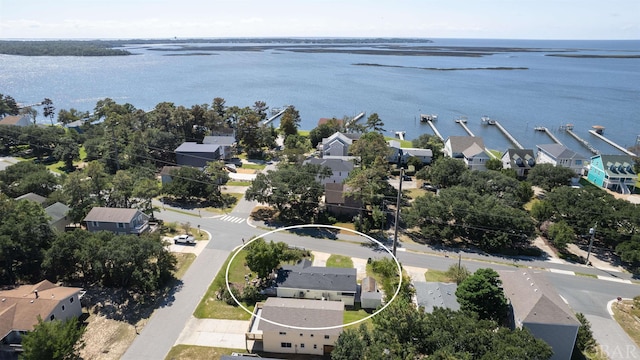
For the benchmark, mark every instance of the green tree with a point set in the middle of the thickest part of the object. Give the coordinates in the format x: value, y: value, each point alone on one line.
x: 494, y: 164
x: 8, y: 106
x: 262, y: 258
x: 78, y: 194
x: 457, y: 273
x: 71, y: 115
x: 146, y: 190
x: 482, y: 293
x: 585, y: 340
x: 370, y: 146
x: 374, y: 123
x: 49, y: 109
x: 25, y: 177
x: 549, y: 177
x: 426, y: 141
x: 191, y: 184
x: 53, y: 340
x: 325, y: 130
x: 67, y: 150
x: 289, y: 121
x: 350, y: 345
x: 446, y: 172
x: 561, y: 234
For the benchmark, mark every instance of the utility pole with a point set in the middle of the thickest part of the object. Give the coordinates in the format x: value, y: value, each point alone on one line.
x: 592, y: 231
x: 395, y: 230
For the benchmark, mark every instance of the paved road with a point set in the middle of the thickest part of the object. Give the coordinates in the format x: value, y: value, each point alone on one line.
x: 584, y: 294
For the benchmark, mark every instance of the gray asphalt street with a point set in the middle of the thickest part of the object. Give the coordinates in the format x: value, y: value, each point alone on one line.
x: 584, y: 294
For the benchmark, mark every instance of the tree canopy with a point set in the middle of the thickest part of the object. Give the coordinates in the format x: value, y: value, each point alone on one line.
x: 482, y: 293
x: 53, y: 340
x: 548, y: 176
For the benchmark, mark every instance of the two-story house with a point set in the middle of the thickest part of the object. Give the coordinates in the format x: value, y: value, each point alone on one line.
x: 399, y: 155
x: 613, y: 172
x: 197, y: 155
x: 560, y: 155
x: 469, y: 149
x: 121, y: 221
x: 296, y: 326
x: 226, y: 143
x: 520, y: 160
x: 340, y: 169
x: 337, y: 145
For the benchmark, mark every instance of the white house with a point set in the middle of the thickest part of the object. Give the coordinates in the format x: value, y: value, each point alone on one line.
x: 560, y: 155
x: 470, y: 149
x: 400, y: 155
x: 520, y: 160
x: 296, y: 326
x: 538, y: 307
x: 304, y: 281
x: 340, y: 169
x: 21, y: 306
x: 337, y: 145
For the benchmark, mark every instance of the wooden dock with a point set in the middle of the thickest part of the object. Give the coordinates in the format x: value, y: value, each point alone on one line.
x: 553, y: 137
x: 354, y: 120
x: 277, y: 115
x: 507, y: 134
x: 435, y: 131
x: 597, y: 134
x: 463, y: 123
x: 582, y: 141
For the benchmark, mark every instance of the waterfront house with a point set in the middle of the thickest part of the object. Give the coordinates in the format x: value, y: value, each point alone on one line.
x: 338, y: 203
x: 304, y: 281
x: 399, y: 155
x: 16, y: 120
x: 340, y: 169
x: 227, y: 145
x: 613, y: 172
x: 536, y: 306
x: 121, y: 221
x: 520, y: 160
x: 469, y: 149
x: 311, y: 319
x: 337, y: 145
x: 197, y: 155
x: 21, y: 306
x: 560, y: 155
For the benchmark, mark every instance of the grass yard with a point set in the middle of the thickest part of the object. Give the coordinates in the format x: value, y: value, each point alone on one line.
x: 253, y: 166
x: 437, y: 275
x: 198, y: 352
x: 238, y: 183
x: 212, y: 308
x: 339, y: 261
x: 184, y: 261
x: 355, y: 315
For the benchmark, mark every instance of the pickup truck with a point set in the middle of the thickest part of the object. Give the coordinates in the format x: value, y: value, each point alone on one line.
x: 184, y: 239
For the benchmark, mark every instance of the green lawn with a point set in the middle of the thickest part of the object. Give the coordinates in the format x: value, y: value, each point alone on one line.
x: 436, y: 275
x: 238, y: 183
x: 253, y: 166
x: 339, y: 261
x: 199, y: 352
x: 354, y: 315
x: 403, y: 143
x: 184, y: 261
x: 210, y: 307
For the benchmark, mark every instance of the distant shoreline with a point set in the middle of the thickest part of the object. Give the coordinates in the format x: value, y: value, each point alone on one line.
x: 444, y: 69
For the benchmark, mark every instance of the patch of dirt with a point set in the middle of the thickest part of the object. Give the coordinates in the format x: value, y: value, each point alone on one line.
x: 246, y: 171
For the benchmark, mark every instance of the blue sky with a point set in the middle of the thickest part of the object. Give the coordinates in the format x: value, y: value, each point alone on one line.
x: 509, y: 19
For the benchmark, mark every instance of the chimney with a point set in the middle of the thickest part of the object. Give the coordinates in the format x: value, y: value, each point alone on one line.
x: 36, y: 292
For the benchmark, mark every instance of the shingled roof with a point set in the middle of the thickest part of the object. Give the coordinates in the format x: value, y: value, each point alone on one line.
x: 301, y: 313
x: 303, y: 276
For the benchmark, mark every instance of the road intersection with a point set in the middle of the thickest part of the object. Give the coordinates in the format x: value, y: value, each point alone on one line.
x: 575, y: 283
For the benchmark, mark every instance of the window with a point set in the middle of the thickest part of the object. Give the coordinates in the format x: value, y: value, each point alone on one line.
x: 52, y: 317
x: 62, y: 307
x: 285, y: 344
x: 311, y: 335
x: 71, y: 300
x: 315, y: 346
x: 282, y: 333
x: 326, y: 336
x: 96, y: 224
x: 301, y: 346
x: 120, y: 225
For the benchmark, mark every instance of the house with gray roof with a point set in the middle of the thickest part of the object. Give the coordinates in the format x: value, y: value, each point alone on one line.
x: 430, y: 295
x: 227, y: 145
x: 469, y: 149
x: 400, y: 155
x: 197, y: 155
x: 560, y: 155
x: 613, y: 172
x: 303, y: 281
x: 16, y: 120
x: 519, y: 160
x: 58, y: 218
x: 337, y: 145
x: 32, y: 197
x: 340, y: 169
x: 121, y: 221
x: 536, y: 305
x: 296, y: 326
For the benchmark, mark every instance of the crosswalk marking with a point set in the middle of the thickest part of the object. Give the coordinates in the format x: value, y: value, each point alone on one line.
x: 233, y: 219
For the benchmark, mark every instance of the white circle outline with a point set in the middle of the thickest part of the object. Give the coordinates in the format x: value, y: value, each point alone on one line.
x: 226, y: 277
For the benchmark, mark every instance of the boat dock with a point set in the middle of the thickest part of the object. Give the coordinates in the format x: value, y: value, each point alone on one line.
x: 354, y: 120
x: 435, y: 131
x: 428, y: 117
x: 463, y: 122
x: 277, y: 115
x: 553, y: 137
x: 599, y: 135
x: 400, y: 134
x: 506, y: 133
x: 584, y: 142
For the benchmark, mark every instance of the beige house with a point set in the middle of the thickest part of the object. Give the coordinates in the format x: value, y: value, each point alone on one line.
x: 537, y: 306
x: 469, y: 149
x: 20, y: 308
x: 304, y: 326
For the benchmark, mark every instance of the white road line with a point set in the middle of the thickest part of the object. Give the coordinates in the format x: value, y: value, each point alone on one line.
x: 558, y: 271
x: 609, y: 278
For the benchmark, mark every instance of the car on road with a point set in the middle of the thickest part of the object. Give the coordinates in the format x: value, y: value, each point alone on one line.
x: 429, y: 187
x: 406, y: 178
x: 184, y: 239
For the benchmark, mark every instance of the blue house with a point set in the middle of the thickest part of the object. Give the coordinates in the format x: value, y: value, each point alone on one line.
x: 613, y: 172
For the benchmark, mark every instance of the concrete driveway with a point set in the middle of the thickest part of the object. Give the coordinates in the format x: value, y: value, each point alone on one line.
x: 228, y: 334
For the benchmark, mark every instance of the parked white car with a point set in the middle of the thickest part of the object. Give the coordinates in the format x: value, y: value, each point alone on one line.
x: 184, y: 239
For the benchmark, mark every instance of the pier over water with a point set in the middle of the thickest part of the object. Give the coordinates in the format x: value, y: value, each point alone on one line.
x: 582, y: 141
x: 553, y: 137
x: 595, y: 133
x: 507, y: 134
x: 463, y: 123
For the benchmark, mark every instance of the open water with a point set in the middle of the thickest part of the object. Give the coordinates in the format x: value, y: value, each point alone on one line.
x: 551, y: 91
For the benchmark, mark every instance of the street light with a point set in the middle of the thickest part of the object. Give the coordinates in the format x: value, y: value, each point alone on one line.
x: 592, y: 231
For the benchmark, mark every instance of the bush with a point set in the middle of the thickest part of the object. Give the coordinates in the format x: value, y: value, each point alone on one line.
x: 585, y: 340
x: 225, y: 295
x: 457, y: 273
x: 251, y: 294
